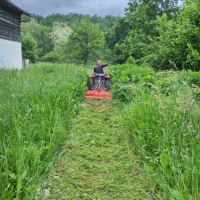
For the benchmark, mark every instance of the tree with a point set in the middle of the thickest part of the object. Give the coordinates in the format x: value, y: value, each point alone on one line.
x: 137, y: 29
x: 134, y: 31
x: 85, y: 43
x: 178, y: 43
x: 157, y: 7
x: 40, y: 34
x: 104, y: 22
x: 29, y: 48
x: 59, y: 37
x: 60, y: 34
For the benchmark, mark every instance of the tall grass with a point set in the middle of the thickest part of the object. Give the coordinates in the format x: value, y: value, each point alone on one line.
x: 36, y: 108
x: 165, y: 132
x: 163, y: 122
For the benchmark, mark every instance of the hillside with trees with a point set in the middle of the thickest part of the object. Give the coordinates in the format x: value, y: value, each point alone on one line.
x: 161, y: 34
x: 44, y: 31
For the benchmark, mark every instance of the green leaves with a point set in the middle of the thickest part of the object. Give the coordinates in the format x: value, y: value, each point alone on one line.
x: 177, y: 45
x: 159, y: 34
x: 136, y: 31
x: 162, y: 117
x: 85, y: 43
x: 40, y: 34
x: 164, y: 160
x: 29, y: 48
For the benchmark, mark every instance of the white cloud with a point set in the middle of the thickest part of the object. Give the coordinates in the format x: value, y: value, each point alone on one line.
x: 99, y: 7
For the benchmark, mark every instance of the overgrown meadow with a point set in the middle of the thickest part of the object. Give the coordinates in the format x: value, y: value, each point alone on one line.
x: 36, y: 108
x: 161, y: 111
x: 162, y: 115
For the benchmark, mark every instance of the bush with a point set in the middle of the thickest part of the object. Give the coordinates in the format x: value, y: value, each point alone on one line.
x: 29, y: 48
x: 126, y: 77
x: 193, y: 78
x: 170, y: 82
x: 131, y: 73
x: 52, y: 57
x: 124, y: 93
x: 196, y: 93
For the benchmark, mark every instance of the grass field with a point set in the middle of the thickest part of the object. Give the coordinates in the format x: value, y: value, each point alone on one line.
x: 36, y: 108
x: 156, y: 115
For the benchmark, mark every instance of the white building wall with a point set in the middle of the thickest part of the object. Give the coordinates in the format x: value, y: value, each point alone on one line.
x: 10, y: 54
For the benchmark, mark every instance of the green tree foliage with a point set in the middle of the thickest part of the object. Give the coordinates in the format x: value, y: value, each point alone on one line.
x: 51, y: 32
x: 85, y: 43
x: 60, y: 34
x: 138, y: 27
x: 104, y: 22
x: 178, y: 44
x: 54, y: 56
x: 61, y: 18
x: 158, y: 33
x: 40, y: 34
x: 33, y: 17
x: 29, y: 48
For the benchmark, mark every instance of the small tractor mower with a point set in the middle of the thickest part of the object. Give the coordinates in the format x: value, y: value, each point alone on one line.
x: 99, y: 86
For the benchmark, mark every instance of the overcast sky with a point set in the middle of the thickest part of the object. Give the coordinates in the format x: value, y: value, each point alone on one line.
x: 99, y: 7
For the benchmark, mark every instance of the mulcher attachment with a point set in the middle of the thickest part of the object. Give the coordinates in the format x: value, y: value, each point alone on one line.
x: 92, y: 94
x: 98, y: 87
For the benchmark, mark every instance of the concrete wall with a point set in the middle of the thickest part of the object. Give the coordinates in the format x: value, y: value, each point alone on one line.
x: 10, y: 54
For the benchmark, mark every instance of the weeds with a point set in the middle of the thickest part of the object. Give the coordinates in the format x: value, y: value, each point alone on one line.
x: 163, y: 118
x: 36, y: 108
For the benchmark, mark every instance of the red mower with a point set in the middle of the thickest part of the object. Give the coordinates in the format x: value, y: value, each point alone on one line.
x: 99, y: 86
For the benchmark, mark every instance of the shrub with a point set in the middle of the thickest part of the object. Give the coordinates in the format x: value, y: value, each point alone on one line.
x: 193, y: 77
x: 124, y: 93
x: 29, y: 48
x: 196, y: 93
x: 131, y: 73
x: 52, y: 57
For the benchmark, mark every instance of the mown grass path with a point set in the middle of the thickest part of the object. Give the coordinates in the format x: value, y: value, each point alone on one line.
x: 96, y: 162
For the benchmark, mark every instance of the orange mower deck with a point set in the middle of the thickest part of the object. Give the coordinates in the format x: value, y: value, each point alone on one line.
x: 93, y: 94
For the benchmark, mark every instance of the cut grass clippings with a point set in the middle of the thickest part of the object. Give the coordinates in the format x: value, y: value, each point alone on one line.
x: 96, y: 162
